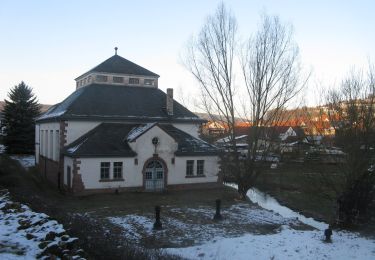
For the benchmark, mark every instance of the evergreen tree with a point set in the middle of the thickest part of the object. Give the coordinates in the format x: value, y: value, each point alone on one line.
x: 20, y: 114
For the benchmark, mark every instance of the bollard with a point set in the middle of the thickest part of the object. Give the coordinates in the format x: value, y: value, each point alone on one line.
x: 217, y: 214
x: 328, y: 234
x: 157, y: 224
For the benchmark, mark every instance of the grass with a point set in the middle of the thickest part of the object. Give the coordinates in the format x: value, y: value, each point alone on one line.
x: 297, y: 185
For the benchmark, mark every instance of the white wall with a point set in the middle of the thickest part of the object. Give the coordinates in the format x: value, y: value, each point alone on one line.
x: 48, y: 144
x: 90, y: 172
x: 76, y: 129
x: 178, y: 171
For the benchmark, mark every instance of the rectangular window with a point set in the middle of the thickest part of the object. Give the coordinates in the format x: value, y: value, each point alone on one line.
x: 133, y: 80
x: 149, y: 82
x: 104, y: 170
x: 46, y: 143
x: 51, y: 144
x: 200, y: 167
x: 117, y: 170
x: 118, y: 79
x: 57, y: 143
x: 41, y: 142
x: 189, y: 168
x: 101, y: 78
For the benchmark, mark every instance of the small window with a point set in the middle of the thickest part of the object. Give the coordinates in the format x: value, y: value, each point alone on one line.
x: 155, y: 141
x: 200, y: 167
x: 149, y: 82
x: 136, y: 161
x: 189, y: 168
x: 89, y: 79
x: 104, y: 170
x: 118, y: 79
x: 101, y: 78
x: 117, y: 170
x: 133, y: 80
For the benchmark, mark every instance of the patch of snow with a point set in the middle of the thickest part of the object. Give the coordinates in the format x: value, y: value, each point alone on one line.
x: 73, y: 149
x: 131, y: 224
x: 227, y: 139
x: 137, y: 131
x: 196, y: 226
x: 287, y: 244
x: 52, y: 114
x: 268, y: 202
x: 26, y: 161
x: 2, y: 148
x: 14, y: 243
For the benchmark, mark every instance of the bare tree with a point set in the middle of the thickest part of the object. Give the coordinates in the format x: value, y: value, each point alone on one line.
x: 210, y: 59
x: 271, y: 71
x: 352, y: 113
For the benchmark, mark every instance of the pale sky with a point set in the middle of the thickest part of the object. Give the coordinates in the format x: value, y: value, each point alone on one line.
x: 49, y: 43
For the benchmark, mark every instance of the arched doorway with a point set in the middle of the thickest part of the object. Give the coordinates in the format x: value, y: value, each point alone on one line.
x: 154, y: 175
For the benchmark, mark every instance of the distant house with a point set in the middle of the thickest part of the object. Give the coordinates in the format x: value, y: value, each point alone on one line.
x: 119, y: 131
x: 213, y: 128
x: 280, y: 139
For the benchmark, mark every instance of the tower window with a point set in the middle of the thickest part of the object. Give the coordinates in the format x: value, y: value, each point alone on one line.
x: 118, y: 79
x: 133, y: 80
x: 149, y: 82
x: 101, y: 78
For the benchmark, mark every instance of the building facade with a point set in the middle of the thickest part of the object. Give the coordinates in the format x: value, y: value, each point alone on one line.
x: 119, y: 131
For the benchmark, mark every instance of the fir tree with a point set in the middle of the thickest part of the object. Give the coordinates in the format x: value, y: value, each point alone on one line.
x: 20, y: 114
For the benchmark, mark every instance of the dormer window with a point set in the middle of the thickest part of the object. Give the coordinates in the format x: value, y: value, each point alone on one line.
x: 149, y: 82
x: 101, y: 78
x: 134, y: 81
x: 118, y: 79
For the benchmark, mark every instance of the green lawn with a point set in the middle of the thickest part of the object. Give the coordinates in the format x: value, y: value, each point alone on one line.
x: 298, y: 186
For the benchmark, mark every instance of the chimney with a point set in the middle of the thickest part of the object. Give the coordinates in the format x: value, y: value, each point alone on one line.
x: 170, y: 101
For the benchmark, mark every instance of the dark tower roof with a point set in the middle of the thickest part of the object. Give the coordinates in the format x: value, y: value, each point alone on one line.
x: 120, y: 65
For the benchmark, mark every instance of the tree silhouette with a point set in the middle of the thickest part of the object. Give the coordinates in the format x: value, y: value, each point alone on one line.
x: 20, y: 114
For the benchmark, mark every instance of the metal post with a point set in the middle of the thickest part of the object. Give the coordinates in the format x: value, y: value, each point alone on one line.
x: 157, y: 224
x: 217, y: 214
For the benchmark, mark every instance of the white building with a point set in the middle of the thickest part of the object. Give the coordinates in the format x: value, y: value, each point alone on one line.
x: 118, y: 131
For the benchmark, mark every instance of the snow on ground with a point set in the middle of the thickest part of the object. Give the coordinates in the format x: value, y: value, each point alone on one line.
x: 2, y: 148
x: 25, y: 160
x: 22, y: 231
x: 231, y: 238
x: 192, y: 226
x: 287, y: 244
